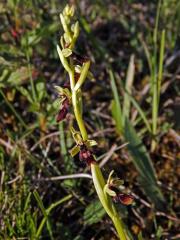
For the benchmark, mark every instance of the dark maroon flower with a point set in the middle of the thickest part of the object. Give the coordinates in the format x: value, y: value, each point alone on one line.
x: 125, y: 199
x: 78, y: 58
x: 76, y: 76
x: 63, y: 111
x: 61, y: 114
x: 85, y: 155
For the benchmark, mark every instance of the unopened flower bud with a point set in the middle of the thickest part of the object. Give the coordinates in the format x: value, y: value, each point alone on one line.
x: 76, y: 29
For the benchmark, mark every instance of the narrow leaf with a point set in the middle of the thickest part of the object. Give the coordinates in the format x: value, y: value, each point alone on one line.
x: 93, y: 213
x: 116, y: 106
x: 129, y: 82
x: 143, y: 164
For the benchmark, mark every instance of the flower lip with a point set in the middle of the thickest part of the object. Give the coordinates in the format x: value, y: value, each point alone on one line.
x: 85, y: 155
x: 125, y: 199
x: 63, y: 111
x: 76, y: 76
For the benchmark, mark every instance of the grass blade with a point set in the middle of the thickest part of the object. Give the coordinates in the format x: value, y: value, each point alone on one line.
x: 62, y: 200
x: 45, y: 219
x: 143, y: 164
x: 116, y: 106
x: 47, y: 211
x: 141, y: 112
x: 161, y: 58
x: 154, y: 79
x: 129, y: 82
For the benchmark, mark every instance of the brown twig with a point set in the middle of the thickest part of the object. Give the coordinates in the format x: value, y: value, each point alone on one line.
x: 6, y: 144
x: 110, y: 153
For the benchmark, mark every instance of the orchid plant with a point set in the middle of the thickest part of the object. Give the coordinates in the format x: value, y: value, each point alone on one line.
x: 70, y: 96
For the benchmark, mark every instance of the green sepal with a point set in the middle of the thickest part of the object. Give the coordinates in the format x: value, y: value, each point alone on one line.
x: 91, y: 143
x: 114, y: 181
x: 63, y: 91
x: 67, y: 38
x: 68, y: 11
x: 76, y: 30
x: 83, y: 75
x: 108, y: 191
x: 59, y: 89
x: 117, y: 182
x: 110, y: 177
x: 66, y: 52
x: 63, y: 60
x: 74, y: 150
x: 77, y: 136
x: 62, y: 42
x: 90, y: 75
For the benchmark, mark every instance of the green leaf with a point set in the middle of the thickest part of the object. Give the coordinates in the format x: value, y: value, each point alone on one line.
x: 34, y: 107
x: 40, y: 88
x: 143, y: 164
x: 19, y: 76
x: 115, y: 105
x: 40, y: 203
x: 141, y: 112
x: 25, y: 93
x: 45, y: 219
x: 33, y: 37
x: 47, y: 211
x: 93, y: 213
x: 128, y: 87
x: 68, y: 162
x: 5, y: 63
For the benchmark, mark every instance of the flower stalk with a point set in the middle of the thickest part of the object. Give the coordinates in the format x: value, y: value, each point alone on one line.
x: 83, y: 144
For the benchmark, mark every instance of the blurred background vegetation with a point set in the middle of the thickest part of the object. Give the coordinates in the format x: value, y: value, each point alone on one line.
x: 133, y: 98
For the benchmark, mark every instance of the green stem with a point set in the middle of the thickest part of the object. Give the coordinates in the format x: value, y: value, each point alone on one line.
x: 97, y: 176
x: 106, y: 201
x: 119, y: 227
x: 99, y: 184
x: 78, y: 116
x: 154, y: 81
